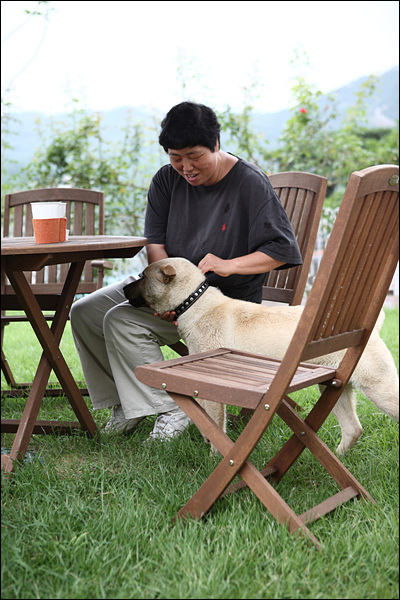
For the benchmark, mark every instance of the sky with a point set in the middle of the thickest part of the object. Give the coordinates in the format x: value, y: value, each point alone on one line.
x: 156, y: 54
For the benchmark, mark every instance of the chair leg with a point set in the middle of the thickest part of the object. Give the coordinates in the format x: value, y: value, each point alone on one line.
x: 223, y: 474
x: 305, y: 437
x: 292, y: 449
x: 320, y: 450
x: 205, y: 496
x: 5, y: 367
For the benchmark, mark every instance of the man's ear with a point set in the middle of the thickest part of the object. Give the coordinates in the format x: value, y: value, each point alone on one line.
x: 166, y: 274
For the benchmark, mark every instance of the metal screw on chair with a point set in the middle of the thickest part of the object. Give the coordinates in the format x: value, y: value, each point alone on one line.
x: 266, y: 406
x: 231, y: 462
x: 336, y: 383
x: 163, y: 385
x: 195, y: 393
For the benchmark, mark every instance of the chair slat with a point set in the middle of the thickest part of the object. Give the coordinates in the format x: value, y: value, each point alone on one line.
x: 77, y: 226
x: 90, y: 220
x: 18, y: 222
x: 298, y: 211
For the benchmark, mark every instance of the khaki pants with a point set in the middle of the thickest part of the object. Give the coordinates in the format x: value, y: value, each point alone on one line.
x: 112, y: 338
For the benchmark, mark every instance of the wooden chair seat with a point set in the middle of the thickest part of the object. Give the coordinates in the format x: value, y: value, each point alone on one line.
x: 238, y: 378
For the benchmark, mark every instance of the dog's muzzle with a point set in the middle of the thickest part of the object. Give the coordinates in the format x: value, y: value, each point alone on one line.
x: 131, y: 293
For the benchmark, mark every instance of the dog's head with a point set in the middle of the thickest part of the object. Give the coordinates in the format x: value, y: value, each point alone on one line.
x: 164, y: 284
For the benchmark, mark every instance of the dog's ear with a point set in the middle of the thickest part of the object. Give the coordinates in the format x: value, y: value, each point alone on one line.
x: 166, y: 274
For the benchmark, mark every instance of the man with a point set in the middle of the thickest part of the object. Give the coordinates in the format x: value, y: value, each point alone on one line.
x: 210, y: 207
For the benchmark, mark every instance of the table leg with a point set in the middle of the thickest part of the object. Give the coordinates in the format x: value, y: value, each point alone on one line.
x: 52, y: 358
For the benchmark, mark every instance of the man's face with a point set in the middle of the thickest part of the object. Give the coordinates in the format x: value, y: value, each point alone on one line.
x: 197, y: 165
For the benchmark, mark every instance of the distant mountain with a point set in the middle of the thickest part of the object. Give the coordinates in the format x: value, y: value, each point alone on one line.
x: 383, y: 111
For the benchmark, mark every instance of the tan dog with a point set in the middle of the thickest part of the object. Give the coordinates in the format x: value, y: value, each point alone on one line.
x: 215, y: 321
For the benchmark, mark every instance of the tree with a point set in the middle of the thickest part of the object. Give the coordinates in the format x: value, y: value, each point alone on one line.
x: 75, y: 154
x: 313, y: 140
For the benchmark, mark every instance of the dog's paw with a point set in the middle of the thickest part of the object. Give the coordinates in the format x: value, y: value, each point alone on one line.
x: 207, y: 441
x: 348, y: 441
x: 213, y: 450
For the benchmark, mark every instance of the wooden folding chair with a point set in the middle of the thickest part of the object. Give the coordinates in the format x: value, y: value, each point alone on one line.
x: 85, y: 216
x: 302, y: 196
x: 340, y: 313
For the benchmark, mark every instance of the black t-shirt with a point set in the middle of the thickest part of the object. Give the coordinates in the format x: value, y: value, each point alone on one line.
x: 238, y: 215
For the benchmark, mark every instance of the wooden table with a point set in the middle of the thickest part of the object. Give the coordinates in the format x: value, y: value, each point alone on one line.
x: 23, y: 254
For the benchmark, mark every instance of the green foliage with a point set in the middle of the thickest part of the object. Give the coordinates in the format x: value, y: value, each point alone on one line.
x: 314, y: 139
x: 311, y: 140
x: 75, y: 152
x: 42, y: 9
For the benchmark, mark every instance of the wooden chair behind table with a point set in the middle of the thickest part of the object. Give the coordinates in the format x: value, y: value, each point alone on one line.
x: 85, y: 216
x: 342, y: 308
x: 302, y: 196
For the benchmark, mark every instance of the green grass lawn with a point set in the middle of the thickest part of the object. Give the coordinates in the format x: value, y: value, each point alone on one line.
x: 93, y: 518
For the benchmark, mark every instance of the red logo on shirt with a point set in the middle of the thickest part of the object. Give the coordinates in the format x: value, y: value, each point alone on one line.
x: 224, y: 227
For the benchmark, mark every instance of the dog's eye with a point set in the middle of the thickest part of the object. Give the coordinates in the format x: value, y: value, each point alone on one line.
x: 141, y: 275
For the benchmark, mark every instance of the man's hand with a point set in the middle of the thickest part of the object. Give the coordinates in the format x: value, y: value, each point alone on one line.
x: 218, y: 265
x: 250, y: 264
x: 168, y: 316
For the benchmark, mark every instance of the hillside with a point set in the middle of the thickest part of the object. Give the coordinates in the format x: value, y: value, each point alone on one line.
x: 382, y: 112
x: 383, y: 106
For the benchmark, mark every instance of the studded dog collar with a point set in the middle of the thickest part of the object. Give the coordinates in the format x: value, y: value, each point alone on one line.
x: 190, y: 300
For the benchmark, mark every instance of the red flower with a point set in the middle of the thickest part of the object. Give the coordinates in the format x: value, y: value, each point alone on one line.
x: 303, y: 110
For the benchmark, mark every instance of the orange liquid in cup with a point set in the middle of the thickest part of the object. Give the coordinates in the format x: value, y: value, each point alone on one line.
x: 47, y: 231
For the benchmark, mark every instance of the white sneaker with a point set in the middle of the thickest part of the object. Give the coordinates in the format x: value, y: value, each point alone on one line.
x: 169, y: 425
x: 118, y: 423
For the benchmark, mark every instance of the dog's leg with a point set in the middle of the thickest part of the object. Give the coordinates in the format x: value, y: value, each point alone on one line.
x: 345, y: 412
x: 217, y: 412
x: 385, y: 396
x: 376, y: 377
x: 383, y: 390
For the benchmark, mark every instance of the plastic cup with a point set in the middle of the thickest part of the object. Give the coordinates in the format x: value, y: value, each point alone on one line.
x: 48, y: 210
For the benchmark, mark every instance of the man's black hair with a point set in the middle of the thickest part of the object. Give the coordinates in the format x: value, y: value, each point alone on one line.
x: 187, y: 125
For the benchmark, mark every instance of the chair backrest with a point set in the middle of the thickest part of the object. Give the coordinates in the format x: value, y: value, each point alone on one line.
x: 302, y: 196
x: 356, y: 270
x: 85, y: 216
